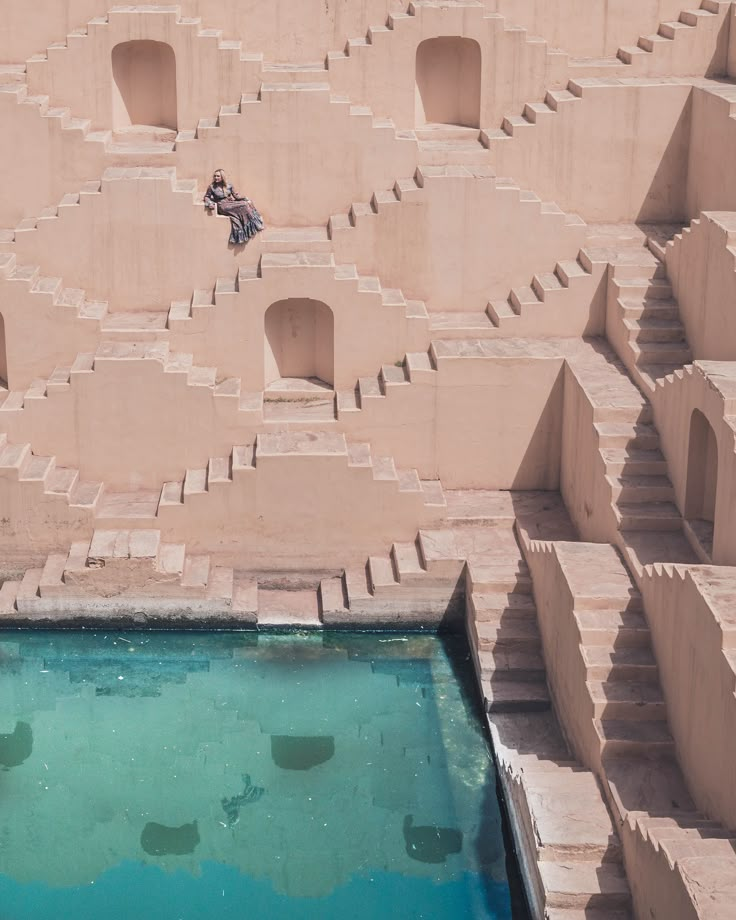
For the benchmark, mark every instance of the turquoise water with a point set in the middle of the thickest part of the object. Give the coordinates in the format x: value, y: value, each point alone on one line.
x: 228, y: 775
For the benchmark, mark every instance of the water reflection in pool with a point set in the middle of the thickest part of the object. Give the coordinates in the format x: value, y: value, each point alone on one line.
x: 183, y: 775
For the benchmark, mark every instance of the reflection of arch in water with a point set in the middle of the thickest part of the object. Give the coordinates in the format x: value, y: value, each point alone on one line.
x: 431, y: 844
x: 702, y: 480
x: 299, y: 340
x: 16, y: 747
x: 3, y: 354
x: 301, y: 753
x: 144, y: 85
x: 448, y: 79
x: 160, y: 840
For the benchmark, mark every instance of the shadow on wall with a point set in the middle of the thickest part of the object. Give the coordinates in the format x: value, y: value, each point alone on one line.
x: 144, y: 86
x: 702, y: 481
x: 540, y: 464
x: 448, y: 82
x: 666, y: 197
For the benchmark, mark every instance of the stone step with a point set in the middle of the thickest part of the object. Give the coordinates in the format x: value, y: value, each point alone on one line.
x: 632, y: 489
x: 613, y: 629
x: 586, y: 913
x: 653, y: 516
x: 332, y: 596
x: 650, y: 308
x: 632, y: 462
x: 511, y: 665
x: 489, y: 606
x: 644, y: 289
x: 517, y: 635
x: 381, y: 575
x: 582, y: 885
x: 662, y: 353
x: 627, y: 435
x: 515, y: 695
x: 648, y: 331
x: 8, y: 595
x: 642, y: 738
x: 627, y: 700
x: 407, y: 564
x: 620, y: 664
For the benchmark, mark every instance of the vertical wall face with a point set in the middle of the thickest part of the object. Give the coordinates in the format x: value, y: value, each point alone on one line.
x: 589, y: 29
x: 448, y: 82
x: 702, y: 471
x: 3, y: 353
x: 299, y: 340
x: 701, y: 265
x: 144, y: 85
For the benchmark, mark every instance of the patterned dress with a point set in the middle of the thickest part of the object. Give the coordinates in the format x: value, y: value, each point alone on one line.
x: 245, y: 220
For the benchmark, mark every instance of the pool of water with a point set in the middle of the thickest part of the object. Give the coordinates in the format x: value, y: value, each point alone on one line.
x: 228, y: 775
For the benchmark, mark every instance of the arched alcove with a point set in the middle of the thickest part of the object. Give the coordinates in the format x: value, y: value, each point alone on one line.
x: 144, y: 87
x: 300, y: 341
x: 448, y: 82
x: 702, y: 480
x: 3, y: 354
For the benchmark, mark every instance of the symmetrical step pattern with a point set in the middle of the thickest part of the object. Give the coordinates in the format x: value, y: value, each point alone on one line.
x: 128, y: 575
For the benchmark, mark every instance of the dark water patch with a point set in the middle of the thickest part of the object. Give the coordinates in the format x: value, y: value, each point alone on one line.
x: 16, y: 747
x: 295, y: 753
x: 160, y: 840
x: 430, y: 844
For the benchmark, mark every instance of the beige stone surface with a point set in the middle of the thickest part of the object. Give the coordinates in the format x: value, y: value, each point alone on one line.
x: 476, y: 373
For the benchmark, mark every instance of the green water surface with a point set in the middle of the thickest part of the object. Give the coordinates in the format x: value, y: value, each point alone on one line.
x: 233, y: 775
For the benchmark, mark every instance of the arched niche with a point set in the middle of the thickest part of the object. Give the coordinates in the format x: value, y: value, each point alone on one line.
x: 3, y: 354
x: 144, y: 87
x: 448, y: 82
x: 300, y: 341
x: 702, y: 480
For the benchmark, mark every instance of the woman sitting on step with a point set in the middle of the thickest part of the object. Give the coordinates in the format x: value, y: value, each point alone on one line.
x: 245, y: 221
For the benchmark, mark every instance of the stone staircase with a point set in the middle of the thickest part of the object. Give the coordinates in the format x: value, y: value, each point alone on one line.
x: 370, y: 392
x: 44, y: 478
x: 85, y: 33
x: 656, y: 53
x: 223, y: 470
x: 130, y: 577
x: 471, y: 567
x: 619, y: 727
x: 47, y: 218
x: 547, y: 290
x: 410, y: 189
x: 61, y: 115
x: 533, y: 112
x: 178, y: 363
x: 231, y: 67
x: 564, y: 836
x: 654, y: 338
x: 645, y: 521
x: 636, y: 473
x: 150, y: 333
